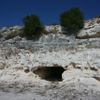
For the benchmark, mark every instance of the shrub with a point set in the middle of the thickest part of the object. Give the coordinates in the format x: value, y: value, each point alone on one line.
x: 32, y: 27
x: 72, y: 21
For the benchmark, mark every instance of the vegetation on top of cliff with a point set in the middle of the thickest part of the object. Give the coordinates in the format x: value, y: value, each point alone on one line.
x: 32, y: 27
x: 72, y: 21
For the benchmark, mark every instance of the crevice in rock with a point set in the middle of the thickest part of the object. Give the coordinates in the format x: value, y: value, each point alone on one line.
x: 93, y: 68
x: 26, y: 70
x: 97, y: 78
x: 50, y: 73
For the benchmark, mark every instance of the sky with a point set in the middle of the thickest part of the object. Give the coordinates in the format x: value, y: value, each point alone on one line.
x: 12, y: 12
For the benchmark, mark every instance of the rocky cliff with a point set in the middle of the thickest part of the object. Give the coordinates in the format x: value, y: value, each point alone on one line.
x: 25, y: 64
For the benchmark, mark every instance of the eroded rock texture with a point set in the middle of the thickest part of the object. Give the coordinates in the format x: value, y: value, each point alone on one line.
x: 79, y: 60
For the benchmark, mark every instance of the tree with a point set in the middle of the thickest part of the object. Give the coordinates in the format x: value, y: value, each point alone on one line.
x: 32, y: 27
x: 72, y: 21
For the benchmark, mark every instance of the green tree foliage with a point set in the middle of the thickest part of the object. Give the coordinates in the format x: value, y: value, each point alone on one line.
x: 72, y: 21
x: 32, y: 27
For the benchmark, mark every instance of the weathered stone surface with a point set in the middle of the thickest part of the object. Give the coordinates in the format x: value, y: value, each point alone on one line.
x: 79, y: 57
x: 90, y: 30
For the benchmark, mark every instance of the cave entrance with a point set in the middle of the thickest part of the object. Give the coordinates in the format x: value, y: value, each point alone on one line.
x: 50, y: 73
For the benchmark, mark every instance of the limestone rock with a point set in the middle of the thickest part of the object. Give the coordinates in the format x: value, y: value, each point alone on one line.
x: 80, y: 59
x: 2, y: 65
x: 90, y: 30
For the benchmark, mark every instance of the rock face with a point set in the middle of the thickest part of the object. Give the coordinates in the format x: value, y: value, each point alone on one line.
x: 53, y: 28
x: 91, y: 29
x: 8, y: 33
x: 79, y: 59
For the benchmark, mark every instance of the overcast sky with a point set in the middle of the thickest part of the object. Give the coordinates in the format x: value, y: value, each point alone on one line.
x: 13, y: 11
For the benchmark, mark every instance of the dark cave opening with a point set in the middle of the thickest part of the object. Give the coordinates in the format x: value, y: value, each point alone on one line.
x: 50, y: 73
